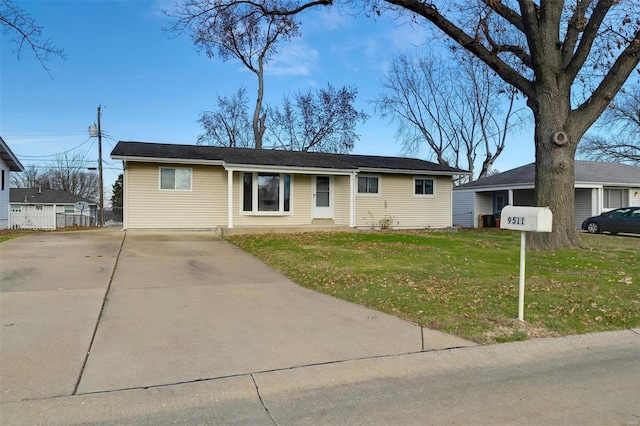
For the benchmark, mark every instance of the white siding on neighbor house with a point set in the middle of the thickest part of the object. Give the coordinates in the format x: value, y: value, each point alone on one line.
x: 483, y: 205
x: 405, y: 209
x: 463, y: 208
x: 4, y: 195
x: 147, y: 206
x: 300, y: 205
x: 634, y: 197
x: 583, y: 205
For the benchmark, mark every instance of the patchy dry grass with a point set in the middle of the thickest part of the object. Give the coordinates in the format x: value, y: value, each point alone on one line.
x: 466, y: 283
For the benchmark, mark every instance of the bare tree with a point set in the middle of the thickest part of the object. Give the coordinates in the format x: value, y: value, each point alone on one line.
x: 69, y: 172
x: 455, y: 111
x: 321, y: 121
x: 228, y: 125
x: 620, y: 123
x: 25, y: 32
x: 30, y: 178
x: 568, y: 58
x: 237, y: 29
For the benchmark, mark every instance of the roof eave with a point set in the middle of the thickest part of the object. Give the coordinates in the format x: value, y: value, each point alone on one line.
x: 412, y: 171
x: 136, y: 159
x: 9, y: 157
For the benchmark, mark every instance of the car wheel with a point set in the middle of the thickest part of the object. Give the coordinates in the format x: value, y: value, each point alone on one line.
x: 593, y: 228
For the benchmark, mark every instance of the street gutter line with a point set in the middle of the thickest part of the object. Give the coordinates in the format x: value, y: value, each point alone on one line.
x: 261, y: 401
x: 95, y: 328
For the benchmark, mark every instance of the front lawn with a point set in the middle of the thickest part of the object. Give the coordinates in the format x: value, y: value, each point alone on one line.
x: 466, y: 282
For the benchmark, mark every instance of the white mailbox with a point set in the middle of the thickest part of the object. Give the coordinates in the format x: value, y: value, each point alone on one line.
x: 537, y: 219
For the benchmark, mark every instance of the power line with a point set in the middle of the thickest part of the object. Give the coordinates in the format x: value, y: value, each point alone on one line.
x: 56, y: 154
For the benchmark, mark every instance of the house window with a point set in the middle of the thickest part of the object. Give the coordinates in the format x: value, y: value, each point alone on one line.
x: 16, y: 208
x: 68, y: 209
x: 177, y: 179
x: 368, y: 185
x: 266, y: 192
x: 423, y: 186
x: 615, y: 198
x: 39, y: 208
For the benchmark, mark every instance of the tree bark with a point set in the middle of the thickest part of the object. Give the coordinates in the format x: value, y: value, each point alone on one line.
x: 258, y: 121
x: 555, y: 167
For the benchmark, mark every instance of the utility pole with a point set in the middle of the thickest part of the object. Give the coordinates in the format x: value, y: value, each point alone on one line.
x: 101, y: 214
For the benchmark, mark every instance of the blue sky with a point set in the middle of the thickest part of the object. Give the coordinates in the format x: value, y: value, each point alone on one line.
x: 152, y: 86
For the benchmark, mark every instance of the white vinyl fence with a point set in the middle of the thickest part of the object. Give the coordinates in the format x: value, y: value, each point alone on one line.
x: 29, y: 218
x: 46, y: 217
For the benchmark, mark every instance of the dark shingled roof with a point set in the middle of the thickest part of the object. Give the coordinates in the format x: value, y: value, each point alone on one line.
x: 272, y: 157
x: 44, y: 196
x: 585, y: 172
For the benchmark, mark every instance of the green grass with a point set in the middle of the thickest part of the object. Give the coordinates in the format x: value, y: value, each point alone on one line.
x: 6, y: 235
x: 466, y: 283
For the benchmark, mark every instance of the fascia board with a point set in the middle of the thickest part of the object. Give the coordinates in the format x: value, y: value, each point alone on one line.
x: 296, y: 170
x: 133, y: 159
x: 410, y: 172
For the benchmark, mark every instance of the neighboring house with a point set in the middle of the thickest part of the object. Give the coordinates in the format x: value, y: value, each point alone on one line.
x: 8, y: 163
x: 49, y: 209
x: 599, y: 187
x: 206, y: 187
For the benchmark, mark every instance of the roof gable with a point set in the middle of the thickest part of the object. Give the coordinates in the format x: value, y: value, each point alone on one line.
x: 9, y: 157
x: 596, y: 172
x: 44, y: 196
x: 272, y: 157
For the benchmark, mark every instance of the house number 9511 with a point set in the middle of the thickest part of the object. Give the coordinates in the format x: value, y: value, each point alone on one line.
x: 515, y: 220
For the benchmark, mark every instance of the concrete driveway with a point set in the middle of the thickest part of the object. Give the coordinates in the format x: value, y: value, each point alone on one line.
x: 96, y: 311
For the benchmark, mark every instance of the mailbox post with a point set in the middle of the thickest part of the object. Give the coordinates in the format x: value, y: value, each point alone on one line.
x: 525, y: 219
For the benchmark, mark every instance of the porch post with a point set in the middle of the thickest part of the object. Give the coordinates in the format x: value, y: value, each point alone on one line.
x: 352, y: 199
x: 510, y: 201
x: 229, y: 198
x: 55, y: 217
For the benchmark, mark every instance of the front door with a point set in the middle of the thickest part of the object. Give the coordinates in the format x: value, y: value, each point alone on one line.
x: 323, y: 197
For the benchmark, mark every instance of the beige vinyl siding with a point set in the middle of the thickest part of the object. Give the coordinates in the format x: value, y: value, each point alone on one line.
x: 300, y: 205
x: 407, y: 210
x: 203, y: 207
x: 342, y: 204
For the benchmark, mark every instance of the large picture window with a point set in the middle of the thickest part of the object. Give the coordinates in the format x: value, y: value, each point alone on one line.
x: 266, y: 192
x: 423, y: 186
x: 177, y: 179
x: 368, y: 185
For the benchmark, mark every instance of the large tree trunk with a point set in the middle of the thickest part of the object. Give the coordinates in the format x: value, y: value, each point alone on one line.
x: 555, y: 168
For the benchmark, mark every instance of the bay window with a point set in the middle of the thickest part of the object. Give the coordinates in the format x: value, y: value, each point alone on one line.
x: 268, y: 193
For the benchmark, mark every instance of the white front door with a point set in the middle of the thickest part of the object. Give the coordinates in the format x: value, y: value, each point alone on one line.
x: 322, y: 197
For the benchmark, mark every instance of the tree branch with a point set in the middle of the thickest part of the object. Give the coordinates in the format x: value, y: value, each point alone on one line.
x: 586, y: 114
x: 506, y: 12
x: 575, y: 26
x: 430, y: 12
x: 586, y: 41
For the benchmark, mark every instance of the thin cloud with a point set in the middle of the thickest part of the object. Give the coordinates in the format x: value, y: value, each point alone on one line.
x: 293, y: 59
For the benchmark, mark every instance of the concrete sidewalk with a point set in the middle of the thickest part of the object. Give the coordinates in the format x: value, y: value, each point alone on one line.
x: 178, y: 307
x: 576, y: 380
